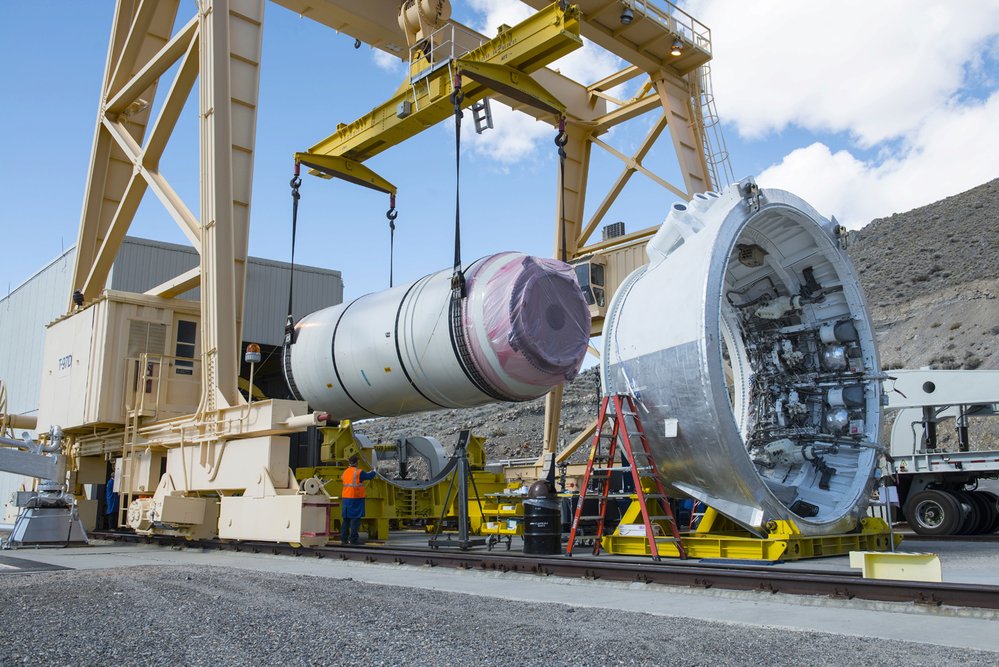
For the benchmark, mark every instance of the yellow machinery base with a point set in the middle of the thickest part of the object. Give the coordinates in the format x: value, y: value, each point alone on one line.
x: 717, y: 537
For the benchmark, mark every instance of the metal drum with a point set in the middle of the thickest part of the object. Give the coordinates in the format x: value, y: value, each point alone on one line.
x: 542, y: 527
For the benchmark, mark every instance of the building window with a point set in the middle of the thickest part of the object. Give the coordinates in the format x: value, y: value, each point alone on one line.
x: 186, y: 335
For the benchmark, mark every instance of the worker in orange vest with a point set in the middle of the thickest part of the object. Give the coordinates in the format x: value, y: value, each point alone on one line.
x: 352, y: 502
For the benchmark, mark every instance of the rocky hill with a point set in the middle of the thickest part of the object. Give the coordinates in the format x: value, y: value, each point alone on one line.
x: 932, y: 281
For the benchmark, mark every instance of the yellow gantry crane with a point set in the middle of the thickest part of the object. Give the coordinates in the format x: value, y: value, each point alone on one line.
x: 224, y: 461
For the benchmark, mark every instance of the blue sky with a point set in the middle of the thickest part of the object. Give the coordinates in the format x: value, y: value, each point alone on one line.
x: 864, y: 111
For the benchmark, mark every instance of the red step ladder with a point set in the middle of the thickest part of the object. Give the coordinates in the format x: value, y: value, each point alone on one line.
x: 642, y: 465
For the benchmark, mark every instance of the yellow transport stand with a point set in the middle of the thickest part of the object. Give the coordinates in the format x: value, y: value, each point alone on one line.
x: 718, y: 537
x: 903, y: 566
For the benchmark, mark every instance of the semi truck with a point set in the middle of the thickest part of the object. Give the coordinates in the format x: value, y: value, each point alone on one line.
x: 940, y: 464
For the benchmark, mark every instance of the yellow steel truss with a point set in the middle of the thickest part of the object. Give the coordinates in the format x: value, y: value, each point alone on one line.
x: 501, y: 65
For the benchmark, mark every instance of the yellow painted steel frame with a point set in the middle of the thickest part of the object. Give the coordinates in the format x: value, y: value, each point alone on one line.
x: 502, y: 64
x: 390, y: 506
x: 717, y: 537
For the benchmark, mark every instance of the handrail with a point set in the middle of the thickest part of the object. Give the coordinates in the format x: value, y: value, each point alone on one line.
x: 676, y: 21
x: 447, y: 43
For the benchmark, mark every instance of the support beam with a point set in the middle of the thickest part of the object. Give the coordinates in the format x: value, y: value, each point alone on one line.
x: 137, y: 34
x: 218, y: 307
x: 577, y: 168
x: 177, y: 285
x: 132, y: 47
x: 632, y: 109
x: 687, y: 142
x: 176, y: 98
x: 229, y: 53
x: 632, y: 164
x: 334, y: 166
x: 174, y: 205
x: 154, y: 68
x: 100, y: 269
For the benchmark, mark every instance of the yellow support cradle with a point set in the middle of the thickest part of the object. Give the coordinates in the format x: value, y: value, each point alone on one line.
x: 718, y: 537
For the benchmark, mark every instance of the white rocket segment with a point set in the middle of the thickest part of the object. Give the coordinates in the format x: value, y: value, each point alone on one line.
x: 522, y: 329
x: 748, y: 336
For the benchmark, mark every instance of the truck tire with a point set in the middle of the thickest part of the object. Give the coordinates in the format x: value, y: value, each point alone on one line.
x: 934, y: 512
x: 992, y: 501
x: 969, y: 512
x: 983, y: 512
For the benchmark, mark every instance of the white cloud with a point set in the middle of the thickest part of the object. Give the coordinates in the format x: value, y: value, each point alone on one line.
x: 901, y: 80
x: 386, y: 61
x: 872, y: 69
x: 516, y: 136
x: 952, y: 150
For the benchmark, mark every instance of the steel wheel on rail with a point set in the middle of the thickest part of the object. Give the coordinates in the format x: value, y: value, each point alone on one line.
x: 934, y: 512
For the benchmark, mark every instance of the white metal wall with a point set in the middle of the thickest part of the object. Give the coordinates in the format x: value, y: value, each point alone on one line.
x: 142, y: 264
x: 23, y: 316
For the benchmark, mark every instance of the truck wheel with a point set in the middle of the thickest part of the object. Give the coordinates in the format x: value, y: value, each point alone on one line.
x: 934, y: 512
x: 983, y: 515
x: 969, y: 512
x: 992, y: 501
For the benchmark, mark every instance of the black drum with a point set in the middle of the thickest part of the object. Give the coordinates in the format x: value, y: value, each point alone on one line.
x: 542, y: 526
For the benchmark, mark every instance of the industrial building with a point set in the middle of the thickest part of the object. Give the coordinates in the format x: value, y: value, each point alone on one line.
x: 140, y: 265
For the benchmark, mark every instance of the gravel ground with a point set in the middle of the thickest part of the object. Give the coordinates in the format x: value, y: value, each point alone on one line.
x: 198, y: 615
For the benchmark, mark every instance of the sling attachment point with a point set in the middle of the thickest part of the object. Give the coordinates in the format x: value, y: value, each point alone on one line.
x: 561, y: 139
x: 458, y: 278
x: 391, y: 214
x: 295, y: 183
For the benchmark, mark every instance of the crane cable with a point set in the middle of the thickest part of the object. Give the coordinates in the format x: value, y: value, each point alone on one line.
x: 391, y: 214
x: 561, y: 139
x: 458, y: 278
x: 296, y: 182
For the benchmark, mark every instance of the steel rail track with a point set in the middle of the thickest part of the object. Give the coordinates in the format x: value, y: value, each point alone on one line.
x: 844, y: 585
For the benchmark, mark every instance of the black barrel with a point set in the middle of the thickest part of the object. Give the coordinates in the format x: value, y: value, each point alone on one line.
x: 542, y: 526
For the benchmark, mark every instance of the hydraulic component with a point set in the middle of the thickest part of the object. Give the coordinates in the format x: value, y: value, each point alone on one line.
x: 50, y: 515
x: 522, y: 329
x: 749, y: 348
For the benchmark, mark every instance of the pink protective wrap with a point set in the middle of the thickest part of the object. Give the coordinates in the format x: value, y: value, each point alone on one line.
x: 536, y: 322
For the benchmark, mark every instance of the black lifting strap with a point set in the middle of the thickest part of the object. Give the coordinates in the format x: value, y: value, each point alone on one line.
x: 296, y: 181
x: 561, y: 139
x: 458, y: 279
x: 391, y: 214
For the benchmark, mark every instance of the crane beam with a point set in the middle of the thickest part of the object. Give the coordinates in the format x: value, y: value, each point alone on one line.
x: 503, y: 62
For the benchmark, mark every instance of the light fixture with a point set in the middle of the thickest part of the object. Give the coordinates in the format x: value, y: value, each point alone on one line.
x: 677, y: 48
x: 627, y: 16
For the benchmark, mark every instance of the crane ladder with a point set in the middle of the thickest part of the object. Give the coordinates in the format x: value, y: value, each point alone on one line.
x: 641, y: 463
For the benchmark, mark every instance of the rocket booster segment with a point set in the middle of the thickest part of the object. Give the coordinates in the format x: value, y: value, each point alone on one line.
x: 522, y: 328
